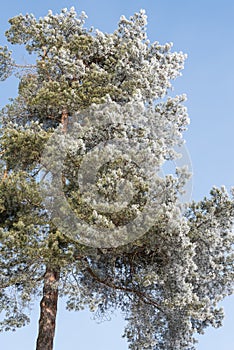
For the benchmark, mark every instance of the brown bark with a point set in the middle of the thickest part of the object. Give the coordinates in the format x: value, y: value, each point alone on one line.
x: 64, y: 120
x: 5, y: 175
x: 48, y: 310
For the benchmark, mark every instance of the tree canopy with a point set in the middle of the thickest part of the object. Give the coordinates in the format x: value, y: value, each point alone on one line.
x: 92, y: 125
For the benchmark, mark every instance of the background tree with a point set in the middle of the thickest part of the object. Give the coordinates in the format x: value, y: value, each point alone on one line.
x: 175, y: 274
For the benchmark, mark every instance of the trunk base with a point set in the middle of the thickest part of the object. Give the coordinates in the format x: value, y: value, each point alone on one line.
x: 48, y: 310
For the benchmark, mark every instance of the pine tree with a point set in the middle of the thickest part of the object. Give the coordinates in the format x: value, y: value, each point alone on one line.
x: 84, y: 213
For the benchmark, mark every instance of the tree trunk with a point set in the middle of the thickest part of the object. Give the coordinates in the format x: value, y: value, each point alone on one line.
x: 49, y: 301
x: 64, y: 120
x: 48, y: 310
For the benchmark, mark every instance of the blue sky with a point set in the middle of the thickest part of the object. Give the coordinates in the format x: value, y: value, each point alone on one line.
x: 205, y: 31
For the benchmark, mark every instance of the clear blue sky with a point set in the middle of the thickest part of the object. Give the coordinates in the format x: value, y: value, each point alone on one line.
x: 205, y: 31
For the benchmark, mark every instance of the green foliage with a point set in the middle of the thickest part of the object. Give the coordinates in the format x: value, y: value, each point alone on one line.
x: 21, y: 148
x: 5, y: 63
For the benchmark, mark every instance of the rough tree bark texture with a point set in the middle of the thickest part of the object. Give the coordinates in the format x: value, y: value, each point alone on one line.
x: 48, y: 305
x: 48, y: 309
x: 64, y: 120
